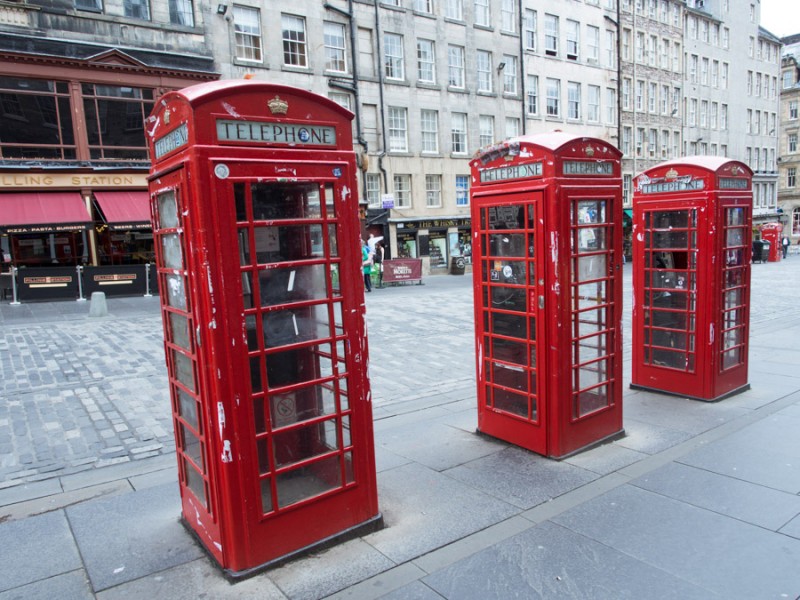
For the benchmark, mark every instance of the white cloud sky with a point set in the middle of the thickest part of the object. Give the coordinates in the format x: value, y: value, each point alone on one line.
x: 780, y: 17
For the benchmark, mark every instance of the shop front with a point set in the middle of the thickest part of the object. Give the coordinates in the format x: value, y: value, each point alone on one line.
x: 65, y: 235
x: 436, y: 242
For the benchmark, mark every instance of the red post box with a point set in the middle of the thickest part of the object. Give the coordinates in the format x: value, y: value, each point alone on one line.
x: 691, y: 277
x: 773, y: 233
x: 547, y: 250
x: 258, y: 254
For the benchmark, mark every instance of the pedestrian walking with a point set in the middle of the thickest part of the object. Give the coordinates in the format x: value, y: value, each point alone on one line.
x: 366, y: 265
x: 785, y: 242
x: 377, y: 262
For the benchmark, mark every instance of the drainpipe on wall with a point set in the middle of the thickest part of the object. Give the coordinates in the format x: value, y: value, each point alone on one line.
x: 352, y: 87
x: 382, y: 153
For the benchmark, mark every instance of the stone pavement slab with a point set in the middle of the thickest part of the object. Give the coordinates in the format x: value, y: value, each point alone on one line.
x: 73, y: 586
x: 742, y: 500
x: 548, y: 562
x: 424, y: 510
x: 126, y: 537
x: 730, y: 557
x: 36, y: 549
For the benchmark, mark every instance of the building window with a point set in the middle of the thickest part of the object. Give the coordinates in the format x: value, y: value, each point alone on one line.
x: 593, y: 104
x: 423, y: 6
x: 793, y: 109
x: 136, y: 9
x: 342, y: 100
x: 484, y: 68
x: 573, y: 39
x: 28, y: 134
x: 93, y: 5
x: 652, y: 97
x: 792, y: 145
x: 486, y: 130
x: 533, y: 95
x: 462, y: 190
x: 627, y: 186
x: 398, y: 129
x: 335, y: 47
x: 626, y: 94
x: 393, y: 61
x: 639, y: 49
x: 573, y: 100
x: 593, y: 44
x: 627, y: 134
x: 611, y: 49
x: 510, y: 75
x: 508, y: 16
x: 181, y: 12
x: 454, y: 9
x: 429, y: 126
x: 373, y: 185
x: 796, y: 221
x: 402, y: 191
x: 530, y: 30
x: 551, y: 35
x: 512, y: 127
x: 247, y: 32
x: 639, y: 95
x: 458, y: 132
x: 788, y: 79
x: 115, y: 121
x: 433, y: 191
x: 455, y: 66
x: 294, y: 41
x: 611, y: 106
x: 426, y: 61
x: 553, y: 97
x: 791, y: 177
x: 482, y: 14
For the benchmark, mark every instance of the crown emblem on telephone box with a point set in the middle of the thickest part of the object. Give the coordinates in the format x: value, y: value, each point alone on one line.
x: 278, y: 106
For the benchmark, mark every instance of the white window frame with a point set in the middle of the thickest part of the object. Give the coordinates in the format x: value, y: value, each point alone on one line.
x: 458, y: 133
x: 247, y: 33
x: 294, y: 41
x: 433, y: 190
x: 429, y: 131
x: 402, y: 190
x: 483, y: 67
x: 393, y: 57
x: 335, y: 47
x: 455, y: 67
x: 398, y: 129
x: 426, y: 61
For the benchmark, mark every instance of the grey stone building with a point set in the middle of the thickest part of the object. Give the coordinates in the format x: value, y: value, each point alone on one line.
x: 789, y: 155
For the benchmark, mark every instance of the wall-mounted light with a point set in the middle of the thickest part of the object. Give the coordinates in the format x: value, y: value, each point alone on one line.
x: 222, y: 9
x: 501, y: 66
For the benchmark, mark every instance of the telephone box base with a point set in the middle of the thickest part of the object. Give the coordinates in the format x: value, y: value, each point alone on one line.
x: 739, y: 390
x: 606, y: 440
x: 369, y: 526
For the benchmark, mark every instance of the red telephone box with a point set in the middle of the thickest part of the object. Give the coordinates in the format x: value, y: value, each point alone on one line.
x: 255, y: 217
x: 547, y: 245
x: 773, y: 233
x: 691, y: 277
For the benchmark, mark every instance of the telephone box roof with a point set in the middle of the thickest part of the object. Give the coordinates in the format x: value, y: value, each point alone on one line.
x: 711, y: 163
x: 205, y: 92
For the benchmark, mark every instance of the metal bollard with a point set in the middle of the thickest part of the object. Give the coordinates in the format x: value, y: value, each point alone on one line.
x: 14, y: 298
x: 98, y: 307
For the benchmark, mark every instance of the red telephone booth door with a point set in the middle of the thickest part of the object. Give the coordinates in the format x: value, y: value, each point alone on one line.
x: 173, y: 237
x: 672, y: 273
x: 509, y: 327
